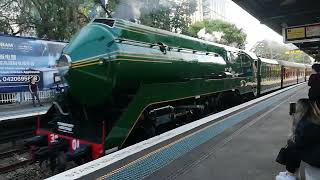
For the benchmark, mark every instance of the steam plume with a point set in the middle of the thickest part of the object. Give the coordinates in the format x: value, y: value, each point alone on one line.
x: 128, y: 9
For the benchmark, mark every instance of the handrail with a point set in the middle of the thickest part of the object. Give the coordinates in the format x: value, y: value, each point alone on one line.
x: 59, y: 108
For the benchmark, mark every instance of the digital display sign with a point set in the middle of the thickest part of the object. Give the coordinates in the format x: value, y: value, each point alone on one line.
x: 304, y: 33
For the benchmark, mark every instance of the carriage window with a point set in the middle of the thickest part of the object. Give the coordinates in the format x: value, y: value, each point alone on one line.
x: 246, y: 65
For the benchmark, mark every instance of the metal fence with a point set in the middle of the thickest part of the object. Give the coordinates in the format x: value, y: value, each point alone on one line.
x: 22, y: 97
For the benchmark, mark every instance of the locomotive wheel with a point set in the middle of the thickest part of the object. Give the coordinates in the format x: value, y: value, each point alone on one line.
x: 248, y: 97
x: 140, y: 133
x: 149, y: 131
x: 146, y: 129
x: 227, y: 100
x: 44, y: 166
x: 237, y: 99
x: 58, y: 164
x: 61, y: 162
x: 210, y: 106
x: 223, y: 101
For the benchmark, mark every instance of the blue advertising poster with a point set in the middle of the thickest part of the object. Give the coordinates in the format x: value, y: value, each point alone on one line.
x: 23, y: 58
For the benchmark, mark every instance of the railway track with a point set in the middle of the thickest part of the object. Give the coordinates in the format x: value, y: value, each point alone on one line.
x: 15, y: 166
x: 14, y: 131
x: 9, y: 153
x: 17, y: 129
x: 18, y: 161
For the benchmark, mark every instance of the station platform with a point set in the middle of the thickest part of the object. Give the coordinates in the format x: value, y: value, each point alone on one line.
x: 239, y: 143
x: 18, y: 111
x: 247, y: 151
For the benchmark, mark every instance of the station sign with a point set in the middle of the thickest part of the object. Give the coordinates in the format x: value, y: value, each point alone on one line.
x: 304, y: 33
x: 294, y: 51
x: 24, y: 58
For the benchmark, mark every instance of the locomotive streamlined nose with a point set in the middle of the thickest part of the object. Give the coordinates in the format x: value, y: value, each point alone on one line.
x: 63, y: 64
x: 83, y: 64
x: 91, y: 41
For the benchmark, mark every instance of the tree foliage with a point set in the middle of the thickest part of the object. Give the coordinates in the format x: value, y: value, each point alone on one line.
x: 60, y: 19
x: 172, y: 16
x: 49, y: 19
x: 157, y: 19
x: 232, y: 35
x: 274, y: 50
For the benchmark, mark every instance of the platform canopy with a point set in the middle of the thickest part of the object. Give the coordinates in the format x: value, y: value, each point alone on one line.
x: 297, y: 20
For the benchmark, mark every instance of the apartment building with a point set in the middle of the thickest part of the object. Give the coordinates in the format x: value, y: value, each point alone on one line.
x: 210, y: 9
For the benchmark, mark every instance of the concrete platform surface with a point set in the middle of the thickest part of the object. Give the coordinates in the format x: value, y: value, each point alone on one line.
x: 16, y: 111
x: 245, y: 152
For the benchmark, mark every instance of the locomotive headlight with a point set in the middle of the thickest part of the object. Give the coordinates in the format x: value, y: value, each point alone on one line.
x: 103, y: 60
x: 63, y: 64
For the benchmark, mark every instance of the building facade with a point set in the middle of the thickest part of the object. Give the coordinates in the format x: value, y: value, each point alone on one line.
x: 210, y: 9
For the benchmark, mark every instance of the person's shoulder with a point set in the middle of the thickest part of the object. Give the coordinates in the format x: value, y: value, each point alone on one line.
x: 308, y: 126
x: 314, y: 77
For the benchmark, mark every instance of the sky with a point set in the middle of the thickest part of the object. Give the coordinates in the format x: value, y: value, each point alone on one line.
x: 251, y: 26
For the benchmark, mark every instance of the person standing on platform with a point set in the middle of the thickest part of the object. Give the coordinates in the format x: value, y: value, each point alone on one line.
x: 314, y: 83
x: 33, y: 88
x: 304, y: 144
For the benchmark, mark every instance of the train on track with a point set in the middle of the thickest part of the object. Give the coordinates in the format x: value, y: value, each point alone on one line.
x: 128, y: 82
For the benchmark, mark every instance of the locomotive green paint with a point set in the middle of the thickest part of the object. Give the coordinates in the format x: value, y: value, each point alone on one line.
x: 111, y: 56
x: 127, y: 71
x: 156, y: 93
x: 104, y: 64
x: 151, y: 35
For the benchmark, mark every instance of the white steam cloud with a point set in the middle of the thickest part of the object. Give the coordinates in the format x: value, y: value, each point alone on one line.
x: 128, y: 9
x: 132, y: 9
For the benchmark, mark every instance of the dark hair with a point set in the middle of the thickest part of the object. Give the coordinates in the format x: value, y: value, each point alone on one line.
x: 310, y: 110
x: 31, y: 78
x: 316, y: 67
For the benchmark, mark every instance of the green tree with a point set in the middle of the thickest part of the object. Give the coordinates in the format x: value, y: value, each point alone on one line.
x: 50, y: 19
x: 57, y: 19
x: 172, y: 16
x: 182, y: 16
x: 231, y: 34
x: 10, y: 19
x: 270, y: 49
x: 159, y: 18
x: 274, y: 50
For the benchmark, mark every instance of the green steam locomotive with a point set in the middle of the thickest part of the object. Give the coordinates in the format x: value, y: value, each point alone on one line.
x: 128, y: 82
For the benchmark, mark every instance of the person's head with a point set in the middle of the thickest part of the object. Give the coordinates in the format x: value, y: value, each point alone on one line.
x: 33, y: 79
x: 316, y: 68
x: 307, y: 109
